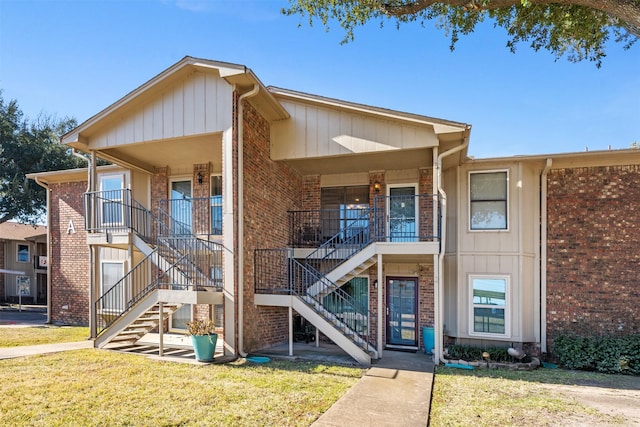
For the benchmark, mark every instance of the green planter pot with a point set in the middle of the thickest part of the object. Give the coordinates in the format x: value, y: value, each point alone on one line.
x: 204, y: 346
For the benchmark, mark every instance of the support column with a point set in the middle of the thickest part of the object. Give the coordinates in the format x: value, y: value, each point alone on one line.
x: 290, y: 331
x: 161, y: 329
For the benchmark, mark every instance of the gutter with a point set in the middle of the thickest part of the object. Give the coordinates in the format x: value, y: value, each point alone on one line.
x: 48, y: 191
x: 543, y: 256
x: 252, y: 92
x: 439, y: 288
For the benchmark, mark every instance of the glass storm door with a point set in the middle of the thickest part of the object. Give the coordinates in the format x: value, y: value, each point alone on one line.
x: 181, y: 207
x: 402, y: 214
x: 401, y: 311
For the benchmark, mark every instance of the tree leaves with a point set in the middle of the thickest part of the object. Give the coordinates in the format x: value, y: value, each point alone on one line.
x: 576, y: 30
x: 27, y: 147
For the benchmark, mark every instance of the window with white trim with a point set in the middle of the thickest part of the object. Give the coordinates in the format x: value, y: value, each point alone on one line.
x: 112, y: 272
x: 489, y: 308
x: 112, y: 199
x: 22, y: 253
x: 488, y: 200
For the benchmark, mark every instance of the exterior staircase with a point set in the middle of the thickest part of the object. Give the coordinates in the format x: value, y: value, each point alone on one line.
x: 314, y: 285
x: 177, y: 269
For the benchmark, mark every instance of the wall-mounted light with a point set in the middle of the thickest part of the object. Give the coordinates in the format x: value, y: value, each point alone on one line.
x: 199, y: 177
x: 377, y: 186
x: 375, y: 283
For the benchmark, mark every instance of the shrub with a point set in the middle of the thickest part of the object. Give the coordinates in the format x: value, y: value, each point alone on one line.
x: 614, y: 355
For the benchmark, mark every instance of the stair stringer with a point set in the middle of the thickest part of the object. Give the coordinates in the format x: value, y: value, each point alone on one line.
x: 324, y: 326
x: 127, y: 319
x: 345, y: 271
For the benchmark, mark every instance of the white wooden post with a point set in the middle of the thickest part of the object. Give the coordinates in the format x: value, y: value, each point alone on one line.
x: 161, y: 330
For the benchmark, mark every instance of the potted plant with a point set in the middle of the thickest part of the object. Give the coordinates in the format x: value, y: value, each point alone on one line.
x: 203, y: 338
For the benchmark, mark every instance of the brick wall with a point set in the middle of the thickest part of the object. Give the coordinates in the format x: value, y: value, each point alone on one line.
x: 69, y: 257
x: 270, y: 190
x: 593, y: 282
x: 311, y: 193
x: 425, y: 300
x: 2, y: 252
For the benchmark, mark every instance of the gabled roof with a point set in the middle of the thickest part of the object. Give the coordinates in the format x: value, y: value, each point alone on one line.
x: 13, y: 231
x: 440, y: 126
x: 235, y: 74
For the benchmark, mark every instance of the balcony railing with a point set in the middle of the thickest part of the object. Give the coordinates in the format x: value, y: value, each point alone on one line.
x: 392, y: 218
x: 116, y: 210
x: 191, y: 216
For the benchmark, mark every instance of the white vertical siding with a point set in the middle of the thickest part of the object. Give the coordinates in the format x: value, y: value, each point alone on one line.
x: 314, y: 131
x: 201, y: 103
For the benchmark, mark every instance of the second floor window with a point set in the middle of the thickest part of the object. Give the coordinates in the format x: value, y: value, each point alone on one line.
x: 23, y: 253
x: 488, y: 193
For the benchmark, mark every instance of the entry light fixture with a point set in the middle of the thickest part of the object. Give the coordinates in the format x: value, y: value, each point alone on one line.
x: 377, y: 186
x: 199, y: 177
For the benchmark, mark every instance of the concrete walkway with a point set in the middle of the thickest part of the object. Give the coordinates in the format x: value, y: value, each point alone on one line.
x: 395, y: 391
x: 32, y: 350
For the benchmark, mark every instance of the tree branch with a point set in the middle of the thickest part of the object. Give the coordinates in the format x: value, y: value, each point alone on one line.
x: 626, y: 11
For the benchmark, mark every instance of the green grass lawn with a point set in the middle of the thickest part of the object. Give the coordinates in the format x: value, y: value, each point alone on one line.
x: 97, y: 387
x: 14, y: 337
x: 485, y: 397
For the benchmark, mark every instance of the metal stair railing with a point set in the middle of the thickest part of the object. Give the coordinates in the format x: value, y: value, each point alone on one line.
x: 278, y: 272
x: 203, y: 261
x: 117, y: 210
x: 134, y: 286
x: 200, y: 261
x: 344, y: 244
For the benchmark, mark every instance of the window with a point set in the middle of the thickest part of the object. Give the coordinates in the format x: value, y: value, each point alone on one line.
x: 22, y: 254
x: 113, y: 298
x: 344, y: 211
x: 488, y: 200
x: 111, y: 187
x: 489, y: 296
x: 216, y: 205
x: 353, y: 293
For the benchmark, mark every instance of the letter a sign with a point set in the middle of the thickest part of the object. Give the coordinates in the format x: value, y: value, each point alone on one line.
x: 71, y: 229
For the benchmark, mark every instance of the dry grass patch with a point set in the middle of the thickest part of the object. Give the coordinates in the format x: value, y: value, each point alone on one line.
x: 501, y: 398
x: 21, y: 336
x: 94, y: 387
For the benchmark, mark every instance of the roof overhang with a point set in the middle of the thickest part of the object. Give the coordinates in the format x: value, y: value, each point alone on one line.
x: 239, y: 76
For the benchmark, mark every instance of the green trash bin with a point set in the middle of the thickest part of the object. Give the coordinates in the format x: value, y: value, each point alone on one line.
x: 428, y: 338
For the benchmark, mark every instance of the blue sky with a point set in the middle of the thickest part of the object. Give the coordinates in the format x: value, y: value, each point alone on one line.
x: 74, y: 58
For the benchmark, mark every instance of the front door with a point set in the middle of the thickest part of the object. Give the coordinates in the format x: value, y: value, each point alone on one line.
x: 402, y: 305
x: 180, y: 207
x: 402, y: 214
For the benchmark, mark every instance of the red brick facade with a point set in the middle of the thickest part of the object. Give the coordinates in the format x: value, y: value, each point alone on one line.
x: 270, y: 190
x: 69, y: 255
x: 2, y: 252
x: 593, y: 281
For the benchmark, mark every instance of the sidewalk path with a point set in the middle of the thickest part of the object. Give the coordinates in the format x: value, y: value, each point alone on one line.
x: 31, y: 350
x: 396, y: 391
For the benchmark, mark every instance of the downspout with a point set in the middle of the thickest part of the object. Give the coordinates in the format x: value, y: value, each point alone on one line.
x: 242, y: 97
x: 439, y: 288
x: 47, y: 190
x: 90, y: 182
x: 543, y: 256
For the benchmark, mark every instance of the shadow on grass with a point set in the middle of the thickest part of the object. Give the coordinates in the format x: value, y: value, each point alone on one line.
x: 552, y: 376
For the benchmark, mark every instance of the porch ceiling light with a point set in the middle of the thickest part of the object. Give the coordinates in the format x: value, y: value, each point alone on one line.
x: 199, y: 177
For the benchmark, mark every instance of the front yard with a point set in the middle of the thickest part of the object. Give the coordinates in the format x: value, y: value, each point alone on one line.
x: 96, y: 387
